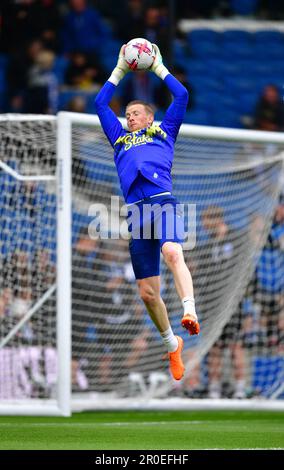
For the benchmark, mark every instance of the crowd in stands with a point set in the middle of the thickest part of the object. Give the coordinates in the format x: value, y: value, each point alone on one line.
x: 56, y: 55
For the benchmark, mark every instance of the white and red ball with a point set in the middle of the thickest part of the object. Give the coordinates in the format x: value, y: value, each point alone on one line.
x: 139, y: 54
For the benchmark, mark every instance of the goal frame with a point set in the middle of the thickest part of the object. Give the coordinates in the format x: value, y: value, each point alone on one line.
x: 64, y: 404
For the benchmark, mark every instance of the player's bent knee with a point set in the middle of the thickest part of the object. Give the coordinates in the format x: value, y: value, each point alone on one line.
x: 172, y: 253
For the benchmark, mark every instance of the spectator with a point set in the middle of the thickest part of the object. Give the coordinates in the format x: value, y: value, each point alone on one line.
x: 83, y: 29
x: 18, y: 25
x: 42, y: 87
x: 130, y: 22
x: 271, y: 9
x: 5, y: 302
x: 269, y: 114
x: 46, y: 22
x: 199, y: 8
x: 17, y: 74
x: 156, y: 29
x: 27, y: 20
x: 77, y: 104
x: 83, y: 73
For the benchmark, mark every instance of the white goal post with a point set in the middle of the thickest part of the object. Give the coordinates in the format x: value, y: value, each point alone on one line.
x: 55, y: 343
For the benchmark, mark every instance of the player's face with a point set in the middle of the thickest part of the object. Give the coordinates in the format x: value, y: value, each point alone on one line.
x: 137, y: 117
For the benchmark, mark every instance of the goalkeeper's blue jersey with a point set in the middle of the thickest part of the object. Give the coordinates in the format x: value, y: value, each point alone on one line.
x: 144, y: 157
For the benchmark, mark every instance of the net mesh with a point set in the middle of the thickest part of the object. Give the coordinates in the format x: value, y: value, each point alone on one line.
x: 28, y: 361
x: 235, y: 188
x: 115, y: 347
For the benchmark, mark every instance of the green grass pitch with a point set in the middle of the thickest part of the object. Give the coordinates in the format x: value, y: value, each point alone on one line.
x: 141, y: 430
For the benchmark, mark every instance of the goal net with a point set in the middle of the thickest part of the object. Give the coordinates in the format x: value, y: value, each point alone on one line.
x: 60, y: 196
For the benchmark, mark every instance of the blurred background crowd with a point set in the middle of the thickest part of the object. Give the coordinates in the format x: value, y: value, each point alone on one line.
x: 55, y: 55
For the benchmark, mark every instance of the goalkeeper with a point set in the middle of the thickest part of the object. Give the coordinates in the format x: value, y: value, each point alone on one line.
x: 143, y: 156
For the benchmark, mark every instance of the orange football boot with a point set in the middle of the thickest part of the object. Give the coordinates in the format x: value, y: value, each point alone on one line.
x: 190, y: 323
x: 176, y: 364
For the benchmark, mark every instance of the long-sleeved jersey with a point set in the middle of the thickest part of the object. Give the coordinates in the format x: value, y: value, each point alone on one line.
x: 144, y: 157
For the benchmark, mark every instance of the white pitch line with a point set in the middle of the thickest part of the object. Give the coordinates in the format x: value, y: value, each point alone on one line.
x: 125, y: 423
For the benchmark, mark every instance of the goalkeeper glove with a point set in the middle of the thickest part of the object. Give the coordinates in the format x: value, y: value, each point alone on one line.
x: 158, y: 67
x: 120, y: 69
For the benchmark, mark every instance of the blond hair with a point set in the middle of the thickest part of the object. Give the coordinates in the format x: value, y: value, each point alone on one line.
x: 148, y: 107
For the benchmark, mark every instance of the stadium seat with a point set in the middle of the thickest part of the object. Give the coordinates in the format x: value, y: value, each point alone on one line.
x: 203, y: 35
x: 195, y: 66
x: 204, y: 83
x: 244, y: 7
x: 238, y: 84
x: 242, y: 50
x: 199, y: 117
x: 247, y: 102
x: 212, y: 101
x: 204, y: 43
x: 207, y: 99
x: 275, y: 50
x: 205, y: 49
x: 226, y: 118
x: 236, y: 35
x: 263, y: 37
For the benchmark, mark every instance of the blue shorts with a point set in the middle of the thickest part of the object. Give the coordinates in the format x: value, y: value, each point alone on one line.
x: 152, y: 222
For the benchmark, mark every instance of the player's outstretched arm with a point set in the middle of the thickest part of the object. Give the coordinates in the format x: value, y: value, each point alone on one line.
x: 109, y: 121
x: 175, y: 113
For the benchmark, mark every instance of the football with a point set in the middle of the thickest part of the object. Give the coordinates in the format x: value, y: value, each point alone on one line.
x: 139, y: 54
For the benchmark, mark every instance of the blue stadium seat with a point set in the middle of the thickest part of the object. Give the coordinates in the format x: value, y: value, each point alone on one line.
x: 275, y: 66
x: 198, y: 116
x: 203, y: 35
x: 258, y: 68
x: 204, y: 42
x: 235, y: 50
x: 205, y: 49
x: 238, y: 84
x: 274, y: 50
x: 195, y: 66
x: 207, y: 99
x: 247, y: 102
x: 202, y: 83
x: 236, y: 35
x: 181, y: 52
x: 263, y: 37
x: 213, y: 101
x: 244, y: 7
x: 226, y: 118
